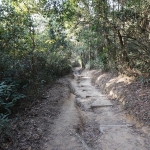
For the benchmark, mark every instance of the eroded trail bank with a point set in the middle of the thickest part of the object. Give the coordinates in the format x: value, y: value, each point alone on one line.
x: 133, y: 93
x: 90, y: 121
x: 30, y: 129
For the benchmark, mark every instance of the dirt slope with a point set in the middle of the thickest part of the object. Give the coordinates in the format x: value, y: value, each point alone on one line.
x: 95, y: 123
x: 74, y: 115
x: 133, y: 94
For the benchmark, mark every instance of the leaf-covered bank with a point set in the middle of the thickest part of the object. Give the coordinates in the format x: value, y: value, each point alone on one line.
x: 133, y: 95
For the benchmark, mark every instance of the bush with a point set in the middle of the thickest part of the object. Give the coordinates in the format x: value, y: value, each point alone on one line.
x: 8, y: 96
x: 58, y: 65
x: 98, y: 63
x: 3, y: 121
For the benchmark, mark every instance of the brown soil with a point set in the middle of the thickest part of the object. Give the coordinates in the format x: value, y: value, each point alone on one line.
x: 29, y: 130
x: 105, y: 126
x: 133, y: 94
x: 74, y: 115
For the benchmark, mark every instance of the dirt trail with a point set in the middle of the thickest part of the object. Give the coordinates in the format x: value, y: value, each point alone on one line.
x: 63, y: 135
x: 89, y: 121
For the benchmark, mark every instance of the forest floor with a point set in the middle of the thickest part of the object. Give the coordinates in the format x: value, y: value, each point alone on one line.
x: 77, y: 114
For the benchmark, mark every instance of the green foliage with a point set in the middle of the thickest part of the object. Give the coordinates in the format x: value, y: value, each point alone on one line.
x: 58, y: 65
x: 98, y: 63
x: 8, y: 96
x: 3, y: 121
x: 40, y: 39
x: 118, y: 33
x: 33, y: 51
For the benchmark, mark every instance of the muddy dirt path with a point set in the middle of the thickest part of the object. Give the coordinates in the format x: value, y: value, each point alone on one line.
x: 90, y: 121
